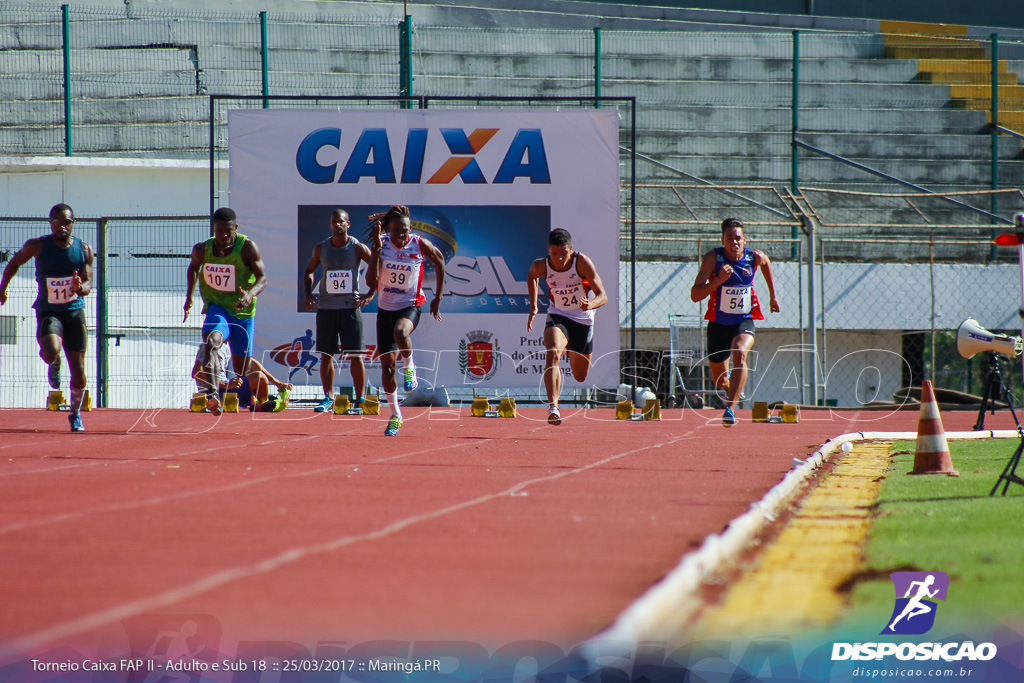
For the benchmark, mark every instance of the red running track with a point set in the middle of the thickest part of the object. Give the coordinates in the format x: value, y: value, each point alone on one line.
x: 314, y: 528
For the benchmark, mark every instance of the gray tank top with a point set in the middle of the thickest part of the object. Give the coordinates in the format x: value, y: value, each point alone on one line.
x: 339, y: 280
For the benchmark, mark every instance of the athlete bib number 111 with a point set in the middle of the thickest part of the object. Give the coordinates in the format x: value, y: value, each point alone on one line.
x: 735, y: 300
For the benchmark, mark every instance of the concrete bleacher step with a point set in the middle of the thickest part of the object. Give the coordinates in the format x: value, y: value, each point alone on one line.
x: 40, y: 112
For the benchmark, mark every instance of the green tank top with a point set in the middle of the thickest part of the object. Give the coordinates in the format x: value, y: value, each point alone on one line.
x: 221, y: 276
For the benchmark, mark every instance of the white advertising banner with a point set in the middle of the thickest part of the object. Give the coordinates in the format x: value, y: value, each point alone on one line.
x: 484, y: 187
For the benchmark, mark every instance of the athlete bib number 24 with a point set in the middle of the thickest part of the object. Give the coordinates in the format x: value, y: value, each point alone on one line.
x: 735, y: 300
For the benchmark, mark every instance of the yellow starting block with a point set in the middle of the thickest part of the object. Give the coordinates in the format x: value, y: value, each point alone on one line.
x: 55, y: 400
x: 507, y: 407
x: 624, y: 410
x: 341, y: 404
x: 789, y: 413
x: 198, y: 403
x: 481, y: 407
x: 652, y: 409
x: 230, y: 402
x: 371, y: 405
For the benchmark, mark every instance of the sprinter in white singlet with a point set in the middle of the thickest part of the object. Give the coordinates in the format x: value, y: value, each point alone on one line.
x: 575, y: 290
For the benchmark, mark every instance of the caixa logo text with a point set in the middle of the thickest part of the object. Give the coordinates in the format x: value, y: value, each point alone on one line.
x: 371, y: 157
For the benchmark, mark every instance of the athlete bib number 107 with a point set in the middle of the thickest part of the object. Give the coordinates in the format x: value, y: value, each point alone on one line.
x: 59, y: 290
x: 735, y: 300
x: 339, y: 281
x: 219, y: 276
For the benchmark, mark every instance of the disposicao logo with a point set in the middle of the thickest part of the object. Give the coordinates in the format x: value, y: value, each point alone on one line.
x: 913, y: 614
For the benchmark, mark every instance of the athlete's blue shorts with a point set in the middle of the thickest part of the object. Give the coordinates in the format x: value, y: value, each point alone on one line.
x: 237, y: 331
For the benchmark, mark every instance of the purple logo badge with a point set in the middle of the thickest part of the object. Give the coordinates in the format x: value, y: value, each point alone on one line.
x: 916, y: 593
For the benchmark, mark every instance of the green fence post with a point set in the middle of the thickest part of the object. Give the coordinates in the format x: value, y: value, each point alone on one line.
x: 994, y: 251
x: 405, y: 61
x: 265, y: 59
x: 102, y: 326
x: 794, y: 159
x: 597, y: 67
x: 66, y: 27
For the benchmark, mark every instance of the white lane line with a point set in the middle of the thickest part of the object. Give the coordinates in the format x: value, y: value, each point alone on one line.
x: 33, y: 641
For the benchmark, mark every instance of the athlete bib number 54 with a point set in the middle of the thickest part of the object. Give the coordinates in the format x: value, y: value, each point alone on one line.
x: 59, y: 290
x: 735, y: 300
x: 219, y: 276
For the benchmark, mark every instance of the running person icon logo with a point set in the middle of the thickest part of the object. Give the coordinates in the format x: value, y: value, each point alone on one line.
x: 914, y: 612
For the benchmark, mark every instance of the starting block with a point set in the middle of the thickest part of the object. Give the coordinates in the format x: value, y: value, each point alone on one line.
x: 481, y: 407
x: 198, y: 403
x: 343, y: 406
x: 652, y: 409
x: 230, y: 402
x: 507, y: 407
x: 789, y: 413
x: 371, y: 405
x: 55, y: 401
x: 624, y: 410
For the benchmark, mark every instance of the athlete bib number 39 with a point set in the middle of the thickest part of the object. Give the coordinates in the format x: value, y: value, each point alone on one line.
x: 735, y: 300
x: 219, y: 276
x: 339, y: 281
x: 59, y: 290
x: 399, y: 280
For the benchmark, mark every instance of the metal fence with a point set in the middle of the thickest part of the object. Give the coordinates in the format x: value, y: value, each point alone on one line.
x: 853, y: 330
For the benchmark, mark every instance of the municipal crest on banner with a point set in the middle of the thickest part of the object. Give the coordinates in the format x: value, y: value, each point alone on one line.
x: 478, y: 357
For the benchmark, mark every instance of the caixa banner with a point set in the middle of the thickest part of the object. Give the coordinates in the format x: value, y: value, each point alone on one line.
x: 484, y: 187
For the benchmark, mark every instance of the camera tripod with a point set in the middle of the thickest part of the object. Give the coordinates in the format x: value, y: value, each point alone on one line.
x: 995, y: 390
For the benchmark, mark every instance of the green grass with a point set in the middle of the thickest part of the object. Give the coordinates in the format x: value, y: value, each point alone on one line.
x: 949, y: 524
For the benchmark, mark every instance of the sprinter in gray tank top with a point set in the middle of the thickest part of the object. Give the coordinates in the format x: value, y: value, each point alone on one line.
x: 338, y: 305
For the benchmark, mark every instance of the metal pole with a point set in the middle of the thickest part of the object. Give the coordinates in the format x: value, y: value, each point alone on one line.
x: 265, y: 59
x: 66, y: 23
x: 405, y: 60
x: 632, y: 241
x: 597, y: 67
x: 794, y: 161
x: 213, y: 155
x: 102, y: 324
x: 994, y: 250
x: 812, y: 324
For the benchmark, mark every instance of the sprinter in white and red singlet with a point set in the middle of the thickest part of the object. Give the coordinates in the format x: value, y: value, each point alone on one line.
x: 575, y: 290
x: 727, y: 276
x: 396, y: 271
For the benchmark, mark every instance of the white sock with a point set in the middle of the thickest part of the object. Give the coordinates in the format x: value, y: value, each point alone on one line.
x: 553, y: 408
x: 77, y: 396
x: 393, y: 404
x: 407, y: 363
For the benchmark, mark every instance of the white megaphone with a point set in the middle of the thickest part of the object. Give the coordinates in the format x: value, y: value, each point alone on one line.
x: 972, y: 338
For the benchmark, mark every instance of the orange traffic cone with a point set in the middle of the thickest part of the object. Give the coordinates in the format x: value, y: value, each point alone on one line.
x: 932, y: 454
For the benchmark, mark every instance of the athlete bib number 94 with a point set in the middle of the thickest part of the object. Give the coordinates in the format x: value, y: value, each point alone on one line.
x: 735, y: 300
x: 219, y: 276
x: 339, y: 281
x: 59, y: 290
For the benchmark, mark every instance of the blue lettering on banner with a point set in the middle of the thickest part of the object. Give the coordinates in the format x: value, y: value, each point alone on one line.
x: 370, y: 157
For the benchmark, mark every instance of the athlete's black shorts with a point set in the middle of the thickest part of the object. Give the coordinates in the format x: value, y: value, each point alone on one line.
x: 333, y: 324
x: 68, y: 325
x: 386, y: 321
x: 580, y: 336
x: 720, y: 338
